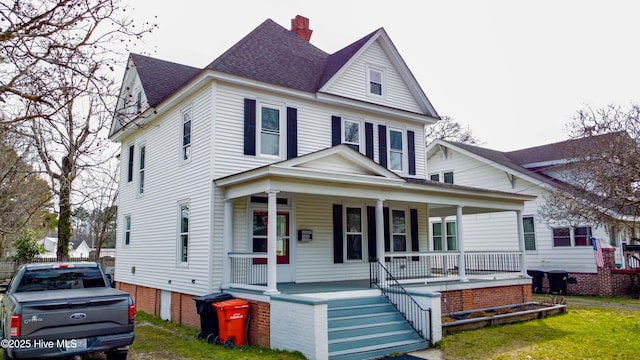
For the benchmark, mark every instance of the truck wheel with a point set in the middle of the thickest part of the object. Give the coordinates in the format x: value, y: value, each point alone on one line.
x: 117, y: 354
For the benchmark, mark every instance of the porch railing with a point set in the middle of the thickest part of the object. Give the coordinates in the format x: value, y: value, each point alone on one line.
x: 248, y: 270
x: 418, y: 317
x: 417, y: 267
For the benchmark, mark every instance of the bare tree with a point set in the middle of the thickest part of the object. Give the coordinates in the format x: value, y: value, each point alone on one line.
x: 102, y: 193
x: 447, y: 129
x: 24, y: 196
x: 599, y: 181
x: 58, y: 87
x: 42, y: 38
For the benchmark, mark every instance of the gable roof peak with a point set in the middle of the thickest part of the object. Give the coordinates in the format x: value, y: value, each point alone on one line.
x: 273, y: 54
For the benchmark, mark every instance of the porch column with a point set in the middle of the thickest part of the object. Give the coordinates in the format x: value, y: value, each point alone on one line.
x: 227, y: 242
x: 380, y: 239
x: 444, y: 244
x: 272, y: 235
x: 523, y: 258
x: 380, y: 230
x: 460, y: 237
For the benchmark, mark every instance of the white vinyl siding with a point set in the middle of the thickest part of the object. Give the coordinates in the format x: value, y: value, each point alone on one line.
x: 314, y: 130
x: 153, y: 252
x: 354, y: 83
x: 500, y: 229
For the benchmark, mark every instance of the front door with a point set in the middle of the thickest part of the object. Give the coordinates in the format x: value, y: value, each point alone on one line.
x: 283, y: 245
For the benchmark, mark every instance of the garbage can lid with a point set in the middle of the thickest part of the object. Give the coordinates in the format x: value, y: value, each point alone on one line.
x: 233, y: 303
x: 558, y: 272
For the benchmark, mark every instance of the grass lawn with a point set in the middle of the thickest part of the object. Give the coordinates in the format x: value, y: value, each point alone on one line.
x: 156, y: 339
x: 592, y: 328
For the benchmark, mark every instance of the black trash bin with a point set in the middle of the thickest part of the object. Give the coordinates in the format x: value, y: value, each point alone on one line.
x: 537, y: 278
x: 558, y: 282
x: 208, y: 316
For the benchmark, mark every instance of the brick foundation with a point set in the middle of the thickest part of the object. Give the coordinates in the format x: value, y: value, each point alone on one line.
x: 607, y: 281
x: 470, y: 299
x: 183, y: 311
x: 260, y: 324
x: 183, y: 308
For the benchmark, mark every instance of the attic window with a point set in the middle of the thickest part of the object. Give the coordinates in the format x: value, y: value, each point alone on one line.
x: 139, y: 101
x: 375, y: 78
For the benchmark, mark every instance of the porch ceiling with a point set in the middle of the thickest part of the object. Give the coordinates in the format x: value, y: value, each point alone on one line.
x: 356, y: 176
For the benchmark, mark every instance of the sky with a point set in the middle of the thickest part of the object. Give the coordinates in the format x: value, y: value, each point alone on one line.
x: 513, y: 72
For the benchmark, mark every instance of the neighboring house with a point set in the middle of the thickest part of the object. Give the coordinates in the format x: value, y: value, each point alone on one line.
x: 534, y: 171
x: 279, y: 169
x: 78, y: 249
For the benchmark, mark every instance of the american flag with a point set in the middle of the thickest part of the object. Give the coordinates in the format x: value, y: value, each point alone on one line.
x: 597, y: 251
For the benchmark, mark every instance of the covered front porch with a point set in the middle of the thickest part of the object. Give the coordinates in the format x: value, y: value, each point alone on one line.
x: 326, y: 216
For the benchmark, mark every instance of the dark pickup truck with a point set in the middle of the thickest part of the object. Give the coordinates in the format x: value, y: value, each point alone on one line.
x: 65, y: 310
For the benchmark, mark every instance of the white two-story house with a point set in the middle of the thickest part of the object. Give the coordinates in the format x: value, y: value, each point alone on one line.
x: 551, y: 247
x: 291, y: 178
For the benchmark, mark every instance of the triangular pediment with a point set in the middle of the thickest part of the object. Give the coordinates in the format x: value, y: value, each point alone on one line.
x: 340, y: 160
x: 349, y: 69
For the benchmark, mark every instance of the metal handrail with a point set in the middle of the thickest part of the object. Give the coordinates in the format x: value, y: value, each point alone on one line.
x: 417, y: 316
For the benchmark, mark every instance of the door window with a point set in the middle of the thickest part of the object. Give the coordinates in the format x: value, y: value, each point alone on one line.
x: 260, y: 234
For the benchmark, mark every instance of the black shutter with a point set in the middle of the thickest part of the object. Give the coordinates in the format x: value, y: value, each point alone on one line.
x: 368, y: 140
x: 382, y: 144
x: 387, y: 232
x: 249, y: 127
x: 337, y: 234
x: 130, y: 164
x: 336, y: 130
x: 413, y: 218
x: 292, y: 132
x: 371, y: 231
x: 412, y: 152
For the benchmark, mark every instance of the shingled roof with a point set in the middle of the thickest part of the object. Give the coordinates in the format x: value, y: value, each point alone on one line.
x: 275, y: 55
x: 530, y: 161
x: 270, y: 54
x: 561, y: 150
x: 161, y: 78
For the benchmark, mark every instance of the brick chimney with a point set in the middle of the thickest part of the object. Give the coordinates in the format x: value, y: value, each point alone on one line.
x: 300, y: 27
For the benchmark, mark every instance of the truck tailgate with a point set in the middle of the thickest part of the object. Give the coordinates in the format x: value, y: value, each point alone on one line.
x: 73, y: 313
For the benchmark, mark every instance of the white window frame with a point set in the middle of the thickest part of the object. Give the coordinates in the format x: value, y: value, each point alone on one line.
x: 281, y: 130
x: 344, y: 129
x: 126, y: 236
x: 383, y: 82
x: 441, y: 176
x: 535, y: 243
x: 361, y: 233
x: 393, y: 233
x: 138, y: 101
x: 186, y: 151
x: 142, y: 166
x: 404, y: 164
x: 444, y: 235
x: 444, y: 177
x: 181, y: 254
